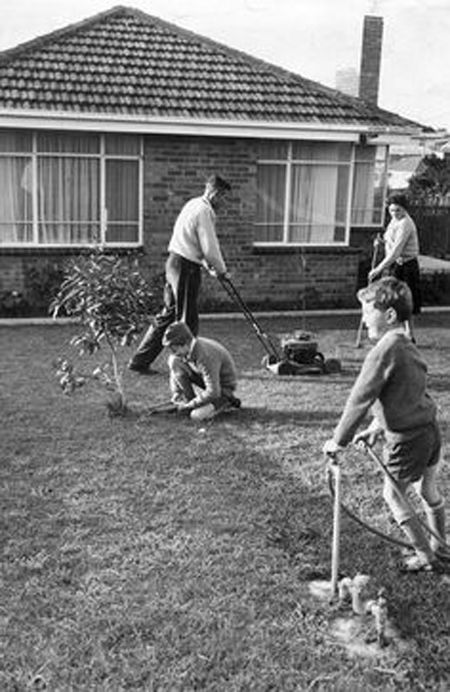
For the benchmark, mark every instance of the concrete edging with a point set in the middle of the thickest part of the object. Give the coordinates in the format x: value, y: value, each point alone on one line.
x: 62, y: 321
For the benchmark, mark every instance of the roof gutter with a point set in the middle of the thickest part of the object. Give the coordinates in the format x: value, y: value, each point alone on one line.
x: 170, y: 125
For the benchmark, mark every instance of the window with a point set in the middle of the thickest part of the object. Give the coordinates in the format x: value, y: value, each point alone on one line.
x: 370, y: 185
x: 303, y: 191
x: 70, y: 189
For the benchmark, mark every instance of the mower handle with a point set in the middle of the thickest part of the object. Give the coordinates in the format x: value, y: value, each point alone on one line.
x: 234, y: 294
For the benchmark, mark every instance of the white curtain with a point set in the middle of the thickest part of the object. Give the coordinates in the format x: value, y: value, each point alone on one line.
x: 122, y: 201
x: 67, y: 189
x: 369, y: 185
x: 363, y: 194
x: 68, y: 200
x: 15, y: 200
x: 313, y: 204
x: 318, y: 176
x: 271, y: 187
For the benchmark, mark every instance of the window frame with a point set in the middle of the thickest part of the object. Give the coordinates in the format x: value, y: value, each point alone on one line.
x: 34, y: 155
x: 351, y: 164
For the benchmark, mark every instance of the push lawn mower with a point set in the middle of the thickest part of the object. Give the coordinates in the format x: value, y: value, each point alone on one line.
x: 299, y: 351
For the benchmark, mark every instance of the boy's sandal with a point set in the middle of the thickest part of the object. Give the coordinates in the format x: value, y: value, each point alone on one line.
x: 415, y: 563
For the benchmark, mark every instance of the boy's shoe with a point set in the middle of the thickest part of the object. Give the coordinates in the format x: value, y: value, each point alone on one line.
x: 206, y: 412
x: 417, y: 563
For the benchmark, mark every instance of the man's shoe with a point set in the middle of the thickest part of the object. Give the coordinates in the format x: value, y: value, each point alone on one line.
x: 234, y: 401
x: 140, y: 370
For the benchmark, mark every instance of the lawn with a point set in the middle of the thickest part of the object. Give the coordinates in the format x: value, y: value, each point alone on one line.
x: 153, y: 553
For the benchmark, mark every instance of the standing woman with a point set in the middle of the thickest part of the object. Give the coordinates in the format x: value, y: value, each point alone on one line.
x: 401, y: 256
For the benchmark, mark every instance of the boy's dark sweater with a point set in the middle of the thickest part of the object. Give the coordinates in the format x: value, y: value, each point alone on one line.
x: 393, y: 379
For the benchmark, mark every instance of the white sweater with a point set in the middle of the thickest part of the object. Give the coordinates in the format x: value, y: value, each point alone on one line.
x: 194, y: 235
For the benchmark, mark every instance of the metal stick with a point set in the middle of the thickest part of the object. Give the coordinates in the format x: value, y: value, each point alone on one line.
x: 264, y: 339
x: 336, y: 528
x: 163, y: 407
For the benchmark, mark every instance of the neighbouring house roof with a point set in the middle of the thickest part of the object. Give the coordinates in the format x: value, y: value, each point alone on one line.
x: 406, y: 164
x: 125, y: 62
x: 401, y: 169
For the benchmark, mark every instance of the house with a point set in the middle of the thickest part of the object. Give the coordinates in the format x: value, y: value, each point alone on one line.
x: 108, y: 126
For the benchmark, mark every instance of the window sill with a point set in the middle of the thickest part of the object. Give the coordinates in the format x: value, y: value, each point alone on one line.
x: 283, y: 249
x: 66, y: 250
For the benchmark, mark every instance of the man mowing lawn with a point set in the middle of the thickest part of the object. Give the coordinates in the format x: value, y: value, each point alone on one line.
x: 393, y: 380
x: 202, y: 363
x: 194, y: 244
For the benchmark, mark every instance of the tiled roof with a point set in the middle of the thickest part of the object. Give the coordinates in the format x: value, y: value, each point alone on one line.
x: 126, y: 62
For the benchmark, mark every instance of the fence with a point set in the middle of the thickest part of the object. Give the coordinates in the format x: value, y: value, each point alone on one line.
x: 433, y: 224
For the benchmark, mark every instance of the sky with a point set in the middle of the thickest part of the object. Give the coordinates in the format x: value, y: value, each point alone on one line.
x: 313, y: 38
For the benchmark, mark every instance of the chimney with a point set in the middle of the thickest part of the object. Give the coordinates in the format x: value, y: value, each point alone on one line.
x: 369, y: 74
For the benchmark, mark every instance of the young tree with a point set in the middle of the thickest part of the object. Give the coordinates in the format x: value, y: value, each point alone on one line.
x: 111, y: 302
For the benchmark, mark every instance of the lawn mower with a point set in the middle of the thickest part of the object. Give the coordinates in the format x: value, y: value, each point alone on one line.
x: 299, y: 353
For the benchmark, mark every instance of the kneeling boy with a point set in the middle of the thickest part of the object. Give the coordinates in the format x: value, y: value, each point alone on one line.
x: 202, y: 363
x: 393, y: 379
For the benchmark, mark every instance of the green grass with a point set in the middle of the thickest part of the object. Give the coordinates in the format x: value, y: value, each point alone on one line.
x: 151, y: 553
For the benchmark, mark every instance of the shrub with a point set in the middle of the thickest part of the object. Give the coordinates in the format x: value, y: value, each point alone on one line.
x: 42, y: 281
x: 111, y: 302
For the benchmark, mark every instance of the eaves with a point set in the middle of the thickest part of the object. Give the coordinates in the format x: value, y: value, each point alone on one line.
x: 207, y: 127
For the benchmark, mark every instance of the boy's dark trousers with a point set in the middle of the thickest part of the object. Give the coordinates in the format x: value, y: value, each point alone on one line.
x: 183, y: 279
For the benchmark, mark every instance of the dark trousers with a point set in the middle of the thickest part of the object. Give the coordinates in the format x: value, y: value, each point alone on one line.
x: 409, y: 272
x: 181, y: 291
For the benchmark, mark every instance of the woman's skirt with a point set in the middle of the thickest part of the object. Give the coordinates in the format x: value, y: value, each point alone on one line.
x: 409, y: 272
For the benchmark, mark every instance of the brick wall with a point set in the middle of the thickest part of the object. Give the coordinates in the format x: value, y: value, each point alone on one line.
x: 11, y: 274
x: 29, y: 282
x: 175, y: 170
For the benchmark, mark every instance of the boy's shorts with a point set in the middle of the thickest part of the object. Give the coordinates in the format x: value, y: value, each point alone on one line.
x: 408, y: 459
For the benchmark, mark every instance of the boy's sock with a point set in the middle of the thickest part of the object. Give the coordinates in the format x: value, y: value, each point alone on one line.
x: 416, y: 535
x: 436, y: 522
